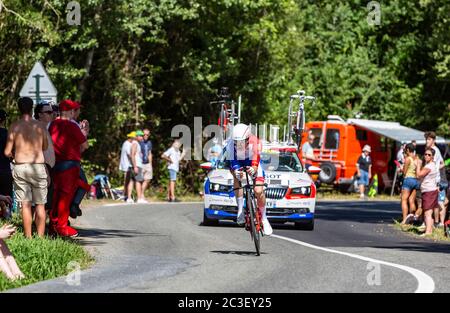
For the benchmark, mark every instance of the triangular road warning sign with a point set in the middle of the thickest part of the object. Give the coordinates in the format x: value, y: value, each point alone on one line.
x: 38, y: 85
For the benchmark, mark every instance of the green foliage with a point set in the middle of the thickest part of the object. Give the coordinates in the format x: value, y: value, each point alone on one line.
x: 145, y: 63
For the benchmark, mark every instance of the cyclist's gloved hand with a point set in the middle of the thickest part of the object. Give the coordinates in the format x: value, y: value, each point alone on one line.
x: 251, y: 171
x: 238, y: 174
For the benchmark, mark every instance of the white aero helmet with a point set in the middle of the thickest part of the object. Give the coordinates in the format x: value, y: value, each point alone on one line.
x: 240, y: 132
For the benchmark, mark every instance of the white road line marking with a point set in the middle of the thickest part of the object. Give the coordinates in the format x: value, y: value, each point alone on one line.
x: 425, y: 282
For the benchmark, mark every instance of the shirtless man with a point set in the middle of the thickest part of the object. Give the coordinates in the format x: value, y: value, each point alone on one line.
x: 27, y: 141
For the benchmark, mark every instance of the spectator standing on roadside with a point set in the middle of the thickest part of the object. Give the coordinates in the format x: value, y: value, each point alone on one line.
x: 428, y: 187
x: 125, y: 166
x: 147, y: 159
x: 55, y: 109
x: 430, y: 138
x: 410, y: 185
x: 308, y: 151
x: 364, y: 170
x: 69, y: 142
x: 43, y: 112
x: 173, y: 156
x: 442, y: 199
x: 83, y: 186
x: 27, y: 141
x: 8, y: 264
x: 401, y: 155
x: 6, y: 179
x: 136, y: 163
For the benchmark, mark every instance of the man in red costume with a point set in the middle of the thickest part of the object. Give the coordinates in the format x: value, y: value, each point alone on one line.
x: 69, y: 141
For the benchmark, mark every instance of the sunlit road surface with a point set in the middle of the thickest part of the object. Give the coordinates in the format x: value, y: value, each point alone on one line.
x: 164, y: 248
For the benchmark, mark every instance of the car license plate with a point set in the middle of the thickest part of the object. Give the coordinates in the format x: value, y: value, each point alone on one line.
x: 270, y: 204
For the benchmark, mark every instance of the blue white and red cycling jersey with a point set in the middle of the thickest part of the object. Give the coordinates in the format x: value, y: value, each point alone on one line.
x: 251, y: 156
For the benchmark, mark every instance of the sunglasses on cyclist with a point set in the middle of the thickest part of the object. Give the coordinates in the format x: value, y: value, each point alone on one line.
x: 428, y: 154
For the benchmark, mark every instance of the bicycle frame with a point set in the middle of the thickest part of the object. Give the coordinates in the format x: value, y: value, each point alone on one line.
x: 252, y: 215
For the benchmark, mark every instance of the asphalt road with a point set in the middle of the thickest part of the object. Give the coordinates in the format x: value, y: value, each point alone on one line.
x: 164, y: 248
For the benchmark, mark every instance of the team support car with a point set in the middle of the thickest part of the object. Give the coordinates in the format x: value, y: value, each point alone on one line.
x: 290, y: 192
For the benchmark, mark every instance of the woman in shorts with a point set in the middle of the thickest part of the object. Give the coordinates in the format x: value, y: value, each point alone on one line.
x: 410, y: 184
x: 427, y: 174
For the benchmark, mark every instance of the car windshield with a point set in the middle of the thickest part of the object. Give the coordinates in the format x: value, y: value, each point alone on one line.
x: 281, y: 162
x: 275, y: 161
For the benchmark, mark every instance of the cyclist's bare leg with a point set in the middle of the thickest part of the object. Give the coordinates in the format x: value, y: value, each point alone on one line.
x: 261, y: 202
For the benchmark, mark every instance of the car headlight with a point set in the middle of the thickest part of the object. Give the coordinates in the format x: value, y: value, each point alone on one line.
x: 219, y: 188
x: 305, y: 191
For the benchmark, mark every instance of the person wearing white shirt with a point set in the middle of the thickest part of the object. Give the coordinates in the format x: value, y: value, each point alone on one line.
x: 125, y: 165
x: 173, y: 156
x: 438, y: 162
x: 137, y: 166
x: 400, y: 154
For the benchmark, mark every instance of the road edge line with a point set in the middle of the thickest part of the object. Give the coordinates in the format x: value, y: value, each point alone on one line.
x: 425, y: 282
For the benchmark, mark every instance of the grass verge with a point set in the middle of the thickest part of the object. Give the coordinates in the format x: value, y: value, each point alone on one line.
x: 437, y: 235
x: 42, y: 258
x: 335, y: 195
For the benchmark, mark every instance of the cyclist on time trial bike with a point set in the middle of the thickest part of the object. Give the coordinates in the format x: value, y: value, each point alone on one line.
x: 244, y: 151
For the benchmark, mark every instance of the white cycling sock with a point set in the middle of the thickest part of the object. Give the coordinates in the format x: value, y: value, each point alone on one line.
x: 240, y: 203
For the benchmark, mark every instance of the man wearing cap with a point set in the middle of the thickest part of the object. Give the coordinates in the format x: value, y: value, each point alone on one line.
x: 27, y: 141
x: 364, y: 168
x: 125, y: 166
x: 69, y: 141
x: 6, y: 180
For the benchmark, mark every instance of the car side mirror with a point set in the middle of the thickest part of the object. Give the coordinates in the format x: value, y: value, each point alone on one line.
x: 314, y: 170
x: 207, y: 166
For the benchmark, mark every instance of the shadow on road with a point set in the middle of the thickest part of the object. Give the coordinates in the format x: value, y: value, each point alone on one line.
x: 429, y: 247
x: 241, y: 253
x: 95, y: 233
x: 374, y: 212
